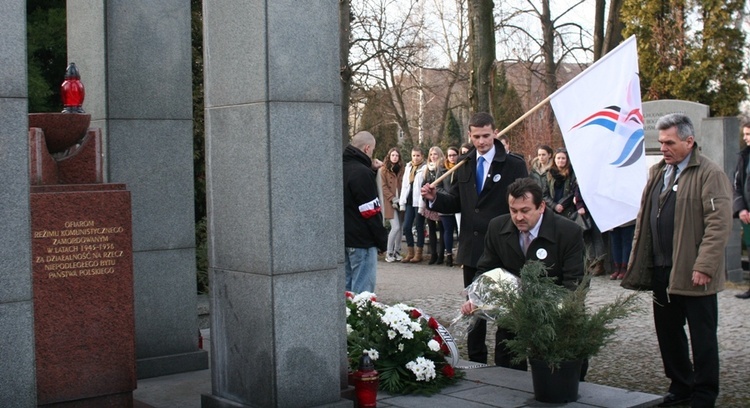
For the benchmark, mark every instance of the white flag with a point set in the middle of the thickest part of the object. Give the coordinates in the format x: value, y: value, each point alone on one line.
x: 599, y: 113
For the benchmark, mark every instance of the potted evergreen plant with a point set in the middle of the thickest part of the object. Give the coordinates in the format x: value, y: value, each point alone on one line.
x: 554, y: 328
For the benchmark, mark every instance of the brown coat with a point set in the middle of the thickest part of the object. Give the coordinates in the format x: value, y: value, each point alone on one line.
x: 391, y: 189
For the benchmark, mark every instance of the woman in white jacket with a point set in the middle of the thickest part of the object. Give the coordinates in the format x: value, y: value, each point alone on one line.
x: 409, y: 203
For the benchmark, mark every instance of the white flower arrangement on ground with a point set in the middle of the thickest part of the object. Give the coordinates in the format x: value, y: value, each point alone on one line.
x: 409, y: 349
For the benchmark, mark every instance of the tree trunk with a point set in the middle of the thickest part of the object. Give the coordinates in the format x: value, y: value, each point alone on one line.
x: 613, y: 38
x: 599, y: 28
x: 482, y: 53
x: 548, y: 51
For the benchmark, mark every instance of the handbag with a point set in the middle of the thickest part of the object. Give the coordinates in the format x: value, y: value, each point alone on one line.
x: 583, y: 221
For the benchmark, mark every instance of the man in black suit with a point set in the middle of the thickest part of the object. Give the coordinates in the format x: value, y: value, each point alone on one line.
x: 479, y: 193
x: 530, y: 232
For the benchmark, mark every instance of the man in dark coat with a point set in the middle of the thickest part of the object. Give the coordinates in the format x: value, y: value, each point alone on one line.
x: 741, y: 204
x: 552, y: 239
x: 364, y: 233
x: 478, y: 203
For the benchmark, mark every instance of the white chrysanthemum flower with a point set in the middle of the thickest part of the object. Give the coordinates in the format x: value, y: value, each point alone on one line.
x: 348, y: 312
x: 433, y: 345
x: 374, y: 355
x: 423, y: 368
x: 362, y: 298
x: 349, y: 329
x: 400, y: 346
x: 391, y: 334
x: 399, y: 321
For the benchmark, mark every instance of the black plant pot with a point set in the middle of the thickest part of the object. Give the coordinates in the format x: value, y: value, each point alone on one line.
x: 558, y: 386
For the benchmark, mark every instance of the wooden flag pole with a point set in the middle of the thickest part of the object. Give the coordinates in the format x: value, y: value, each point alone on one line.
x: 502, y: 132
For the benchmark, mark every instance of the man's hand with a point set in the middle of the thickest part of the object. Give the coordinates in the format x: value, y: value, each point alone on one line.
x: 745, y: 216
x: 700, y: 278
x: 467, y: 308
x: 376, y: 164
x: 582, y: 211
x: 558, y: 208
x: 428, y: 192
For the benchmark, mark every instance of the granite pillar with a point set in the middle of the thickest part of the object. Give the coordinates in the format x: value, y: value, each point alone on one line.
x: 17, y: 360
x: 275, y: 225
x: 720, y: 141
x: 135, y: 61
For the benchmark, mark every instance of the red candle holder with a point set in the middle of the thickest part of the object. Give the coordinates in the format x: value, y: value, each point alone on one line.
x: 366, y: 383
x: 72, y: 91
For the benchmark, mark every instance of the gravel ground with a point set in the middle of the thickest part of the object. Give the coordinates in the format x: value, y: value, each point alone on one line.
x: 632, y: 360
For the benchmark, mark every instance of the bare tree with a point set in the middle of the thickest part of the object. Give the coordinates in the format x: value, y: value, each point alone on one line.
x: 482, y: 51
x: 387, y: 52
x: 605, y: 42
x: 543, y: 47
x: 452, y: 42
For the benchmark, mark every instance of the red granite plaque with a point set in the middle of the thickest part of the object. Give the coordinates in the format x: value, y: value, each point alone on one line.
x: 83, y: 294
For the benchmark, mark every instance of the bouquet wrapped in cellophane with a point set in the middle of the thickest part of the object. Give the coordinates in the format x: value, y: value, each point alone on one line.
x: 483, y: 293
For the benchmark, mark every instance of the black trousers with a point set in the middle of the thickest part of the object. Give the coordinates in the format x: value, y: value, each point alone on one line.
x: 701, y: 376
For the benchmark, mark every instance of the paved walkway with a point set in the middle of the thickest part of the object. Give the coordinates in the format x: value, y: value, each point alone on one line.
x: 627, y: 373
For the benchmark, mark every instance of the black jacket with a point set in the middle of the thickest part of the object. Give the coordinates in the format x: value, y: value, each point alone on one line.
x: 363, y: 219
x: 559, y: 246
x: 741, y: 187
x: 476, y: 212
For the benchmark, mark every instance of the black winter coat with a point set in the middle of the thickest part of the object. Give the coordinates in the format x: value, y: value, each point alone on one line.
x: 477, y: 211
x: 363, y: 219
x: 559, y: 246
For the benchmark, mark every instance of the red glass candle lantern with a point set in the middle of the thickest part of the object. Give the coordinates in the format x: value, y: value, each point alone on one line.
x: 366, y: 383
x: 72, y: 91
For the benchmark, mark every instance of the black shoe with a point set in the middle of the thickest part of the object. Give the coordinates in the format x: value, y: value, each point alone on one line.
x: 449, y: 260
x: 671, y: 400
x: 433, y: 259
x: 745, y: 295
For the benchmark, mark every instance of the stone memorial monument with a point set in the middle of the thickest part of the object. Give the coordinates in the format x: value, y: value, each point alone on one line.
x: 82, y: 263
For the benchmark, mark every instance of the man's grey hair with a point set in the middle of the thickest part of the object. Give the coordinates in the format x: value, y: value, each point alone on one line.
x: 683, y: 123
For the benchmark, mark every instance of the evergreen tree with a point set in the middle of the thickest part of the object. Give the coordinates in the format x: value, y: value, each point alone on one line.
x: 452, y: 135
x: 46, y: 53
x: 507, y: 106
x: 690, y: 50
x: 386, y: 133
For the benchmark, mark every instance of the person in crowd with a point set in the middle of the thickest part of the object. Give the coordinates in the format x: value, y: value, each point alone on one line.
x: 479, y: 193
x: 449, y: 220
x: 506, y: 144
x: 530, y: 232
x: 681, y: 232
x: 741, y: 204
x: 434, y: 169
x: 540, y: 164
x: 409, y: 203
x: 592, y: 237
x: 465, y: 148
x: 559, y: 189
x: 364, y: 233
x: 621, y: 240
x: 391, y: 175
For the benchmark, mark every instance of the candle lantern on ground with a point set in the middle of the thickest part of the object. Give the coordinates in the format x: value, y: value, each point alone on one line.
x: 366, y: 383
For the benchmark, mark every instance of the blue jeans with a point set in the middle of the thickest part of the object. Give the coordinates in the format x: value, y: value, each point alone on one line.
x: 449, y: 225
x: 360, y: 265
x: 621, y: 239
x: 412, y: 216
